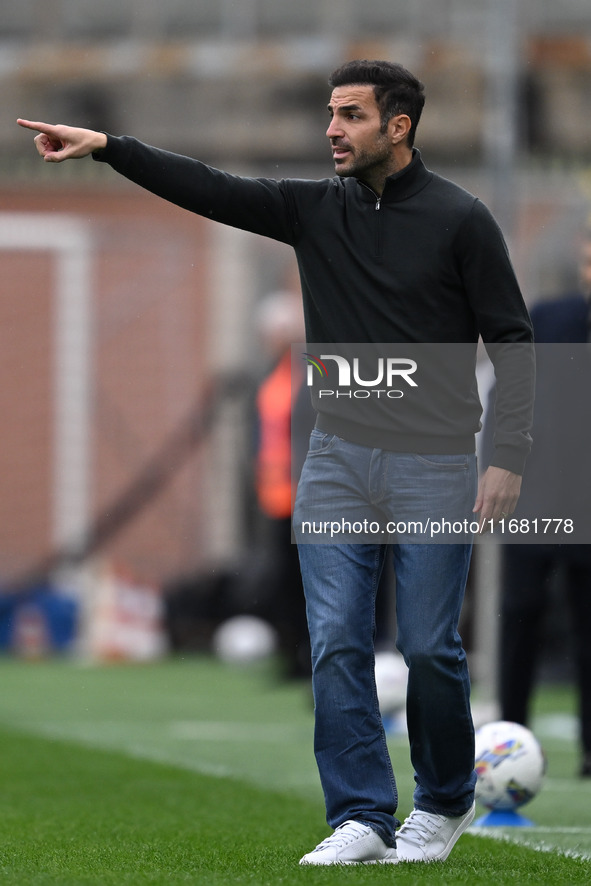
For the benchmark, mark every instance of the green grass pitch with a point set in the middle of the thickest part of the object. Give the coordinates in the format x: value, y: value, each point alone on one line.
x: 189, y: 771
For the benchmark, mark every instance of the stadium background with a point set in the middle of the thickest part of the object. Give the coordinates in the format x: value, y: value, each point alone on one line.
x: 95, y: 387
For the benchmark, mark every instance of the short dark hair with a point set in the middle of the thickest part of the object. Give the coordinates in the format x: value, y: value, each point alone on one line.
x: 397, y: 91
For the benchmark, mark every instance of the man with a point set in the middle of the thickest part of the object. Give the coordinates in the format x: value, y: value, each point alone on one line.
x: 280, y: 394
x: 557, y: 483
x: 388, y: 252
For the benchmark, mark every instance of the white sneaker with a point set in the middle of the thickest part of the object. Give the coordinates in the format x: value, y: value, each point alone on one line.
x: 352, y: 843
x: 425, y: 836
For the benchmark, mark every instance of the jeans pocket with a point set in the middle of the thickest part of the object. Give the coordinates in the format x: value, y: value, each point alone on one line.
x: 443, y: 462
x: 321, y: 442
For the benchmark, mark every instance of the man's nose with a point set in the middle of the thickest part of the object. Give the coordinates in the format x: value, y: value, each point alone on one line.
x: 334, y: 130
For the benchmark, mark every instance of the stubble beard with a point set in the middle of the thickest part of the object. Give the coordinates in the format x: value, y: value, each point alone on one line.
x: 365, y: 164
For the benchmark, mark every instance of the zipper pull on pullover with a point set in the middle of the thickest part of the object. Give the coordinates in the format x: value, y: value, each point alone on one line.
x: 378, y: 203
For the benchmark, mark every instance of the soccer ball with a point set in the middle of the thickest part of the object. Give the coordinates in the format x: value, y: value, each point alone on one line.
x: 510, y: 765
x: 391, y: 675
x: 243, y: 639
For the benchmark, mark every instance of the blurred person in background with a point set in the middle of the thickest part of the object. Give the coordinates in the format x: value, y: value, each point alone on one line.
x: 279, y: 323
x: 559, y: 470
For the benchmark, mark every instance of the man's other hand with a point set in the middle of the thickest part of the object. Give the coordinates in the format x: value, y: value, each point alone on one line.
x: 498, y: 493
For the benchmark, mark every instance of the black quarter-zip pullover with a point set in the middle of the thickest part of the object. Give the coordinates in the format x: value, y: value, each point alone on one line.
x: 423, y: 263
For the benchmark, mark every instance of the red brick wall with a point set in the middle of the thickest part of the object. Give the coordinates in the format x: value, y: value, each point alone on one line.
x: 150, y: 308
x: 25, y: 394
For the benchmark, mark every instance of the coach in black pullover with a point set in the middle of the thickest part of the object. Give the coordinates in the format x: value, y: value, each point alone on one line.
x: 388, y: 253
x: 423, y: 262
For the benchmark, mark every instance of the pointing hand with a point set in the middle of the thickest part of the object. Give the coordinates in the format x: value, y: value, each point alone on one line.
x: 58, y: 143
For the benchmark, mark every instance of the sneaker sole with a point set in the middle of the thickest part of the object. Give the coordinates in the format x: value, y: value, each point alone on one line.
x: 349, y: 863
x: 386, y: 860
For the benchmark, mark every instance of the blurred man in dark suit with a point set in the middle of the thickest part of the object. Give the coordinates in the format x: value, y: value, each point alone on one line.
x: 558, y: 477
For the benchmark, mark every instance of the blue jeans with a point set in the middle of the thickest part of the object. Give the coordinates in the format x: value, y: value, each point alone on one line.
x: 340, y: 583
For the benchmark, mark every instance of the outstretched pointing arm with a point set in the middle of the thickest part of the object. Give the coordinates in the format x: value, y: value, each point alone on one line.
x: 57, y: 143
x: 257, y: 205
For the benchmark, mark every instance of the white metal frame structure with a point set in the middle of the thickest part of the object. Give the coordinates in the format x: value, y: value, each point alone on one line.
x: 68, y: 239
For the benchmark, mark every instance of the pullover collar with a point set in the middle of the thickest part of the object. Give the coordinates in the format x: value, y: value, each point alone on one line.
x: 400, y: 186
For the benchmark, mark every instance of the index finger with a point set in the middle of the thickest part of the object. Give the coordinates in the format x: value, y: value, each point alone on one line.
x: 46, y: 128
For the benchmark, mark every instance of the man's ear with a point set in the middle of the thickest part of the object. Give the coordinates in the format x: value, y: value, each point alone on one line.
x: 398, y: 128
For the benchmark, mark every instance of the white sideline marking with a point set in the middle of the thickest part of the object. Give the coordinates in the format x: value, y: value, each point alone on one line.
x: 519, y: 837
x: 112, y: 735
x: 562, y: 726
x: 550, y: 829
x: 206, y: 730
x: 533, y: 829
x: 567, y: 785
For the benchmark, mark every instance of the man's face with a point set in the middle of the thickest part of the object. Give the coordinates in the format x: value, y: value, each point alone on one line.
x: 585, y: 268
x: 359, y: 146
